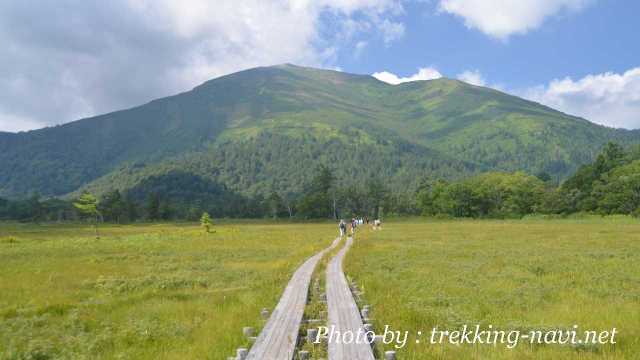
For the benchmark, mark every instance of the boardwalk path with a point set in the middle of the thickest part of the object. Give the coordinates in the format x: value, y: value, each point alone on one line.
x: 277, y: 340
x: 343, y: 312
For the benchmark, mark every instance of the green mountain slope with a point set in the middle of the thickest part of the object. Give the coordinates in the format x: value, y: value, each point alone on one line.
x: 266, y: 129
x: 501, y: 131
x: 257, y: 165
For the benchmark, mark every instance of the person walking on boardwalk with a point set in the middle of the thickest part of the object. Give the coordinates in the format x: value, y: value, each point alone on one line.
x: 343, y: 228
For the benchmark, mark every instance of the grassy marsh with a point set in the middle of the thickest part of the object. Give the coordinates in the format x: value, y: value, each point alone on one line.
x: 529, y: 274
x: 143, y: 291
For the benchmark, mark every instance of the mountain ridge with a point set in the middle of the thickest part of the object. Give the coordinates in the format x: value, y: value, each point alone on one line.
x: 289, y: 65
x: 459, y: 129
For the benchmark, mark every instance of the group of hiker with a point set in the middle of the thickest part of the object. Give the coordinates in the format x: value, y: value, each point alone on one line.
x: 355, y: 222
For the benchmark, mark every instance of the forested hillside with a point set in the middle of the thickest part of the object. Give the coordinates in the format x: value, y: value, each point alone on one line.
x: 286, y: 164
x: 264, y: 130
x: 609, y: 185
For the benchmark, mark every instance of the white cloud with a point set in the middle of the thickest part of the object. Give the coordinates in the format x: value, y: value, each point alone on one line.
x: 472, y: 77
x: 351, y: 6
x: 104, y: 56
x: 503, y: 18
x: 359, y: 48
x: 391, y: 31
x: 609, y: 99
x: 12, y: 123
x: 427, y: 73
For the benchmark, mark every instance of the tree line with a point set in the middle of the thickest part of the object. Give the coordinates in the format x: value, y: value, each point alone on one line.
x: 609, y: 185
x: 181, y: 196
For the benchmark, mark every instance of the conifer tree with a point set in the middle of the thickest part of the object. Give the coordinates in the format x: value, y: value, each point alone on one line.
x: 87, y: 205
x: 205, y: 222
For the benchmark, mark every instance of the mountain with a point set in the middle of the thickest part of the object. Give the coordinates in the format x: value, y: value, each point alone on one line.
x: 267, y: 129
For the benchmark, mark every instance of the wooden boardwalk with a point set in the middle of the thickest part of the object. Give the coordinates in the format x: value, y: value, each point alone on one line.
x: 343, y: 312
x: 278, y: 338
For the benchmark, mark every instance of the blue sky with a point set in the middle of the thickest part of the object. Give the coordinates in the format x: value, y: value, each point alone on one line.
x: 66, y: 59
x: 602, y: 37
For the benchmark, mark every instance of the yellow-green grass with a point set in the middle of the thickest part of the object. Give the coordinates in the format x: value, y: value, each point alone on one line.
x: 143, y: 291
x: 513, y: 275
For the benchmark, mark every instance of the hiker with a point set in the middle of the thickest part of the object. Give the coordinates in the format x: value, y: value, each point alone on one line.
x: 343, y: 227
x: 353, y: 226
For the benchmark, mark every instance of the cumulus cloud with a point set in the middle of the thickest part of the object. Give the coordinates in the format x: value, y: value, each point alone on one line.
x: 391, y: 31
x: 427, y: 73
x: 609, y: 99
x: 473, y: 77
x: 11, y: 123
x: 66, y: 59
x: 503, y: 18
x: 359, y: 48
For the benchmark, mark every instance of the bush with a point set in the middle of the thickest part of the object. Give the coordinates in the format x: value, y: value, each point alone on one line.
x: 9, y: 240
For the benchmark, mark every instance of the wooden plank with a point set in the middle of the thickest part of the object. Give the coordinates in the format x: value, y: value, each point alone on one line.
x: 343, y: 312
x: 278, y: 338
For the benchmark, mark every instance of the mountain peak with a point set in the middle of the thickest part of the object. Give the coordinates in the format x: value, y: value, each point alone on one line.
x: 288, y: 112
x: 288, y: 65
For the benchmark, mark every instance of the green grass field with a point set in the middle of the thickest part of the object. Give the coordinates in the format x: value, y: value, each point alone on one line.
x: 523, y: 275
x: 174, y: 292
x: 142, y: 291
